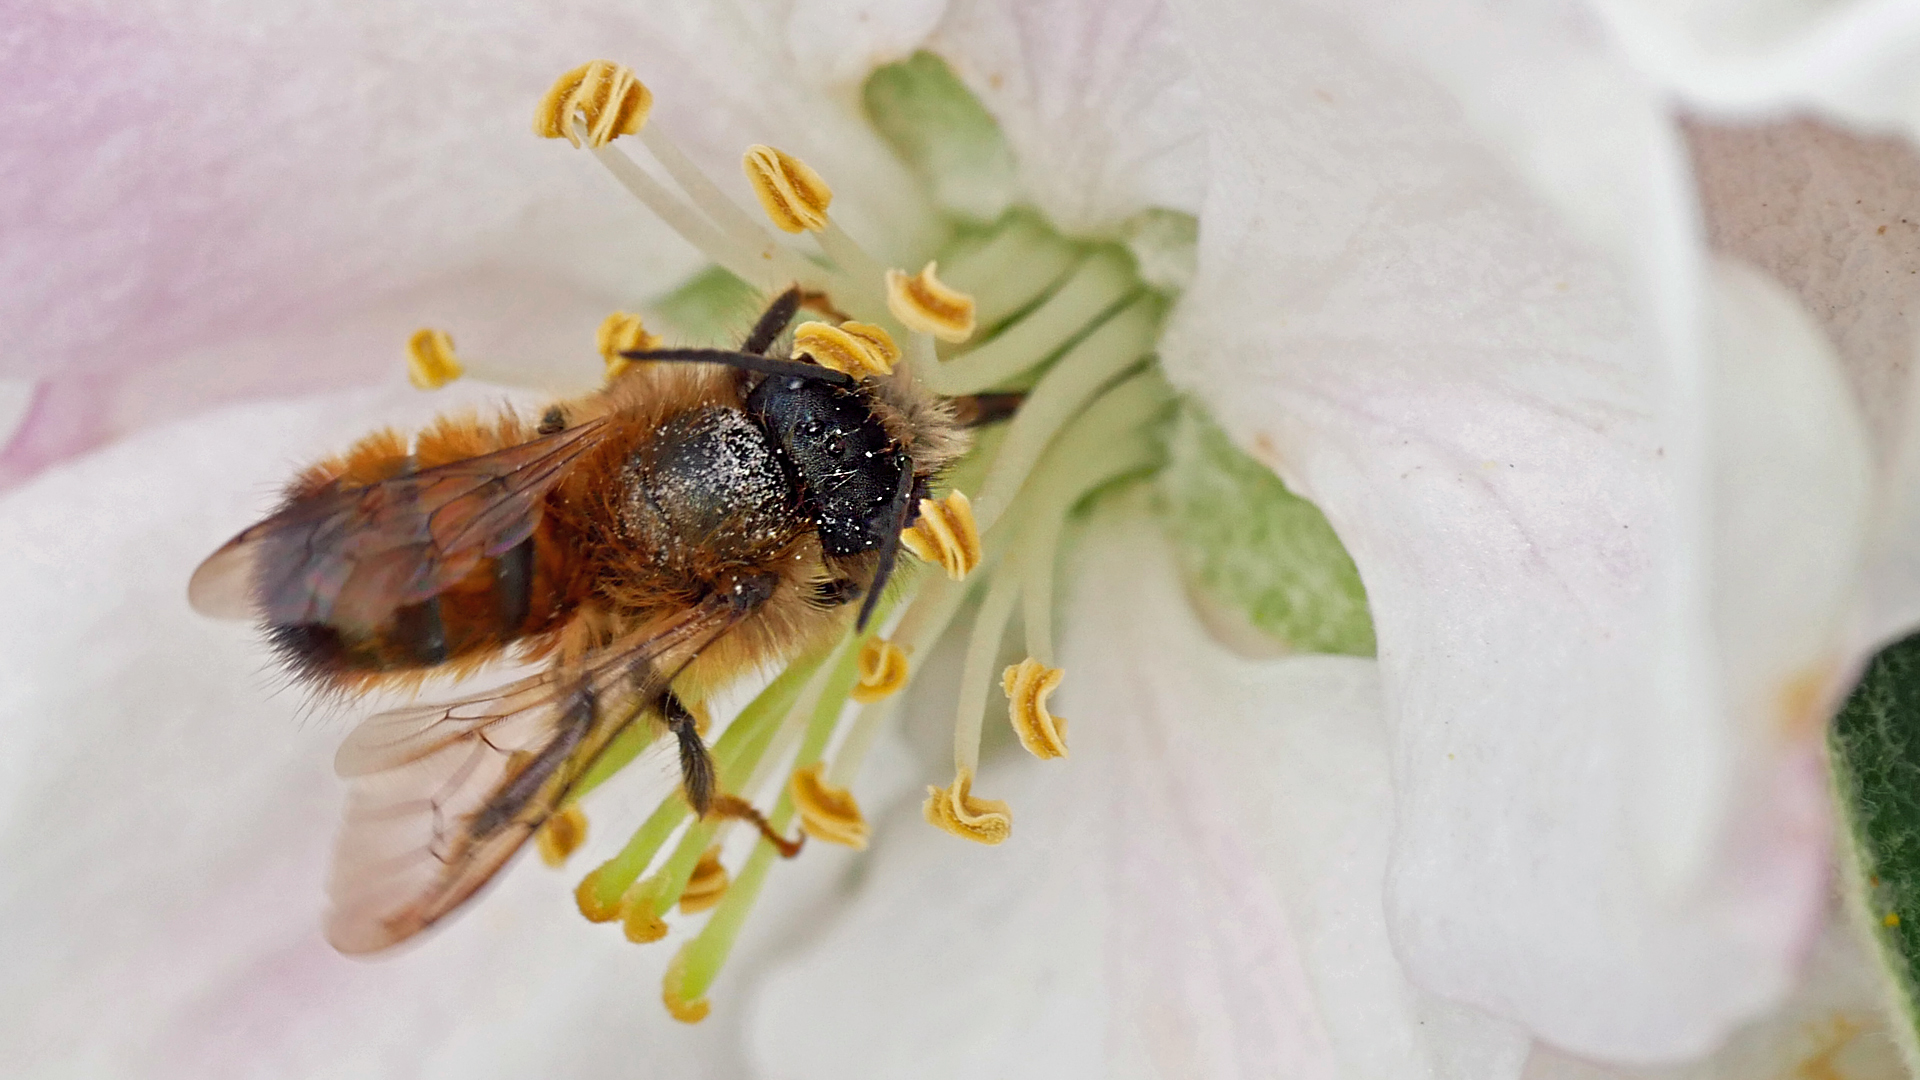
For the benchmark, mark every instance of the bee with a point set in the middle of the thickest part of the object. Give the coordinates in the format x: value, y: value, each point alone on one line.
x: 702, y: 514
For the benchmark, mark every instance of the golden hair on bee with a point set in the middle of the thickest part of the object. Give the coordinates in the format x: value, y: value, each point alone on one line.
x: 706, y: 513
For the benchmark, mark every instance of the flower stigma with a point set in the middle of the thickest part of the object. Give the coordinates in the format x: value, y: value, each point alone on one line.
x: 1045, y: 346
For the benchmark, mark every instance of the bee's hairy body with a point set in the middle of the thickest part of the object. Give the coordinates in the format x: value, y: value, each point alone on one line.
x: 688, y: 496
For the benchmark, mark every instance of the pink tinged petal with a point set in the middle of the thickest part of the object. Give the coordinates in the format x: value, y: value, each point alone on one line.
x: 1835, y: 1026
x: 1098, y: 102
x: 166, y: 816
x: 1476, y: 342
x: 1194, y: 891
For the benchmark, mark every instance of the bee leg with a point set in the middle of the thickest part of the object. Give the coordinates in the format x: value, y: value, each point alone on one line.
x: 979, y: 410
x: 696, y: 765
x: 734, y: 806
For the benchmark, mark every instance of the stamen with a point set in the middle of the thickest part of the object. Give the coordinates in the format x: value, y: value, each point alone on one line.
x: 431, y: 363
x: 679, y: 1005
x: 622, y: 332
x: 946, y: 534
x: 827, y: 813
x: 604, y: 96
x: 923, y: 304
x: 707, y: 885
x: 561, y: 835
x: 640, y: 912
x: 792, y: 194
x: 954, y: 808
x: 1120, y: 342
x: 858, y: 349
x: 883, y: 671
x: 1028, y: 685
x: 1095, y: 287
x: 587, y: 896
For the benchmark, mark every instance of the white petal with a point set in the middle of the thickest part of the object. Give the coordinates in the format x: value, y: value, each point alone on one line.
x: 165, y: 818
x: 840, y: 41
x: 1835, y: 217
x: 1837, y: 1023
x: 1097, y: 100
x: 221, y: 209
x: 1854, y: 60
x: 1468, y: 322
x: 1193, y: 891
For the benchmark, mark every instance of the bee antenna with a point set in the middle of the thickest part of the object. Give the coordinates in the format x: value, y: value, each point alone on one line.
x: 889, y: 549
x: 749, y: 361
x: 773, y: 321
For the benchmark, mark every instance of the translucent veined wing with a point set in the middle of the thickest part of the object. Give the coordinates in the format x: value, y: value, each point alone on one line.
x: 443, y: 795
x: 351, y: 556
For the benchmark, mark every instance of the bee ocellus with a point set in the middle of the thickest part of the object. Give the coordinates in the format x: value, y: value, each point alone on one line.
x: 706, y: 512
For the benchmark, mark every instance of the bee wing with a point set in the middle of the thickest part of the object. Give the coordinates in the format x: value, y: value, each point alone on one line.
x: 443, y: 795
x: 350, y: 556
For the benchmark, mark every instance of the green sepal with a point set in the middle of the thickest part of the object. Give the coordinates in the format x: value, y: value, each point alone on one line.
x: 1257, y: 548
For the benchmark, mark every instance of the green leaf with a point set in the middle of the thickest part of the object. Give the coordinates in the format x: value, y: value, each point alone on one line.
x: 943, y: 134
x: 1875, y: 755
x: 1258, y: 548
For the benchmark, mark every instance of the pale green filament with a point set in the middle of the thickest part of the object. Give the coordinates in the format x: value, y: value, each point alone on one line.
x: 1119, y: 343
x: 1099, y: 283
x: 1011, y: 270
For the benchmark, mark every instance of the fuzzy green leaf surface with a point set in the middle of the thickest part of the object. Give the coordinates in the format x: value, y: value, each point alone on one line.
x: 1875, y: 748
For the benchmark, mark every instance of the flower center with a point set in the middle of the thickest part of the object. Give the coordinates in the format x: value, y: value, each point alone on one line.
x: 1046, y: 340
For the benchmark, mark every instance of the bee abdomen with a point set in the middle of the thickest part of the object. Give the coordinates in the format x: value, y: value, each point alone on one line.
x: 500, y: 601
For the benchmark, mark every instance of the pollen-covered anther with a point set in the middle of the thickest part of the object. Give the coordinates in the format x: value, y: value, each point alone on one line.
x: 431, y: 363
x: 622, y: 332
x: 792, y: 194
x: 953, y: 808
x: 707, y: 885
x: 681, y: 1009
x: 861, y: 350
x: 561, y: 835
x: 826, y: 812
x: 603, y: 96
x: 946, y: 534
x: 1028, y: 683
x: 925, y: 305
x: 587, y: 896
x: 640, y: 912
x: 883, y: 671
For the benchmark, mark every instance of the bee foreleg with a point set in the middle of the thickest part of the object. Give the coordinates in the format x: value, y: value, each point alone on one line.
x: 696, y: 765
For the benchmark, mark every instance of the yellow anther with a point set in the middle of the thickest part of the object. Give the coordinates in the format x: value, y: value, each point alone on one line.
x: 1027, y: 684
x: 639, y: 912
x: 587, y: 896
x: 707, y: 885
x: 859, y: 349
x: 561, y: 835
x: 946, y: 534
x: 827, y: 813
x: 927, y: 306
x: 687, y: 1012
x: 430, y: 360
x: 603, y: 95
x: 793, y: 195
x: 622, y: 332
x: 953, y: 808
x: 883, y: 671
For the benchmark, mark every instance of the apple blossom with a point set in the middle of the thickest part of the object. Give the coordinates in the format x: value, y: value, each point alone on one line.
x: 1610, y: 500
